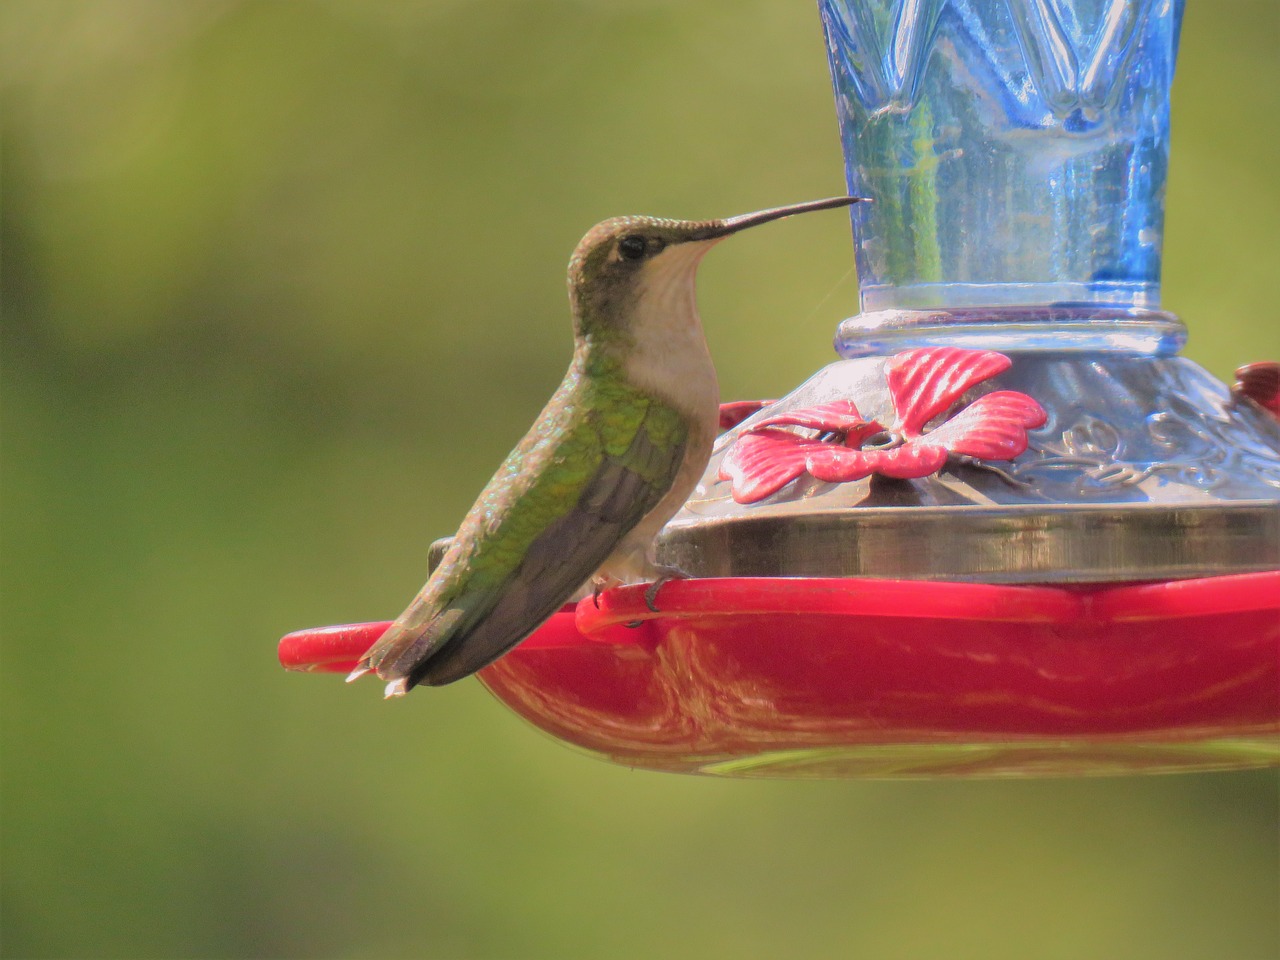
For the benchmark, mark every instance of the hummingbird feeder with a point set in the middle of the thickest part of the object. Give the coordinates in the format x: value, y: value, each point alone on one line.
x: 1009, y: 532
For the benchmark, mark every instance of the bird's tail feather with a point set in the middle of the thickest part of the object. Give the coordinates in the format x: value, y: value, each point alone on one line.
x: 413, y: 639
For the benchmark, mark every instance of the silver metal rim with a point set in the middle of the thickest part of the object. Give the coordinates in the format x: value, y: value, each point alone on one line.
x: 1010, y: 544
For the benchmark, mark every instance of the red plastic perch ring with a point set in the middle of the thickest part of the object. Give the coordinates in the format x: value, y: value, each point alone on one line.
x: 885, y: 678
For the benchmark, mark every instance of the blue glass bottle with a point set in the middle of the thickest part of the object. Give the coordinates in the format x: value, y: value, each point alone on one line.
x: 1016, y: 152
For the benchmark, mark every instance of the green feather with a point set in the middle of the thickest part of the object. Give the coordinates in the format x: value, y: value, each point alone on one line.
x: 589, y: 423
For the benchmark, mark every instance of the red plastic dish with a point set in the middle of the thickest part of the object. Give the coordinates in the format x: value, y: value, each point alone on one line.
x: 883, y: 678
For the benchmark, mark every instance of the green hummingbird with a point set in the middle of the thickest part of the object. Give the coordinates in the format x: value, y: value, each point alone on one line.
x: 612, y: 457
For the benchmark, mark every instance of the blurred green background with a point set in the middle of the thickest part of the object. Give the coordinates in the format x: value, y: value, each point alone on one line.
x: 283, y: 281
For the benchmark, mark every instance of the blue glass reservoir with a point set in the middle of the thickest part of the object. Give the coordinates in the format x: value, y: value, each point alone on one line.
x: 1016, y: 153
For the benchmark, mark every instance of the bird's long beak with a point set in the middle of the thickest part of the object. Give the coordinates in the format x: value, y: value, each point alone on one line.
x: 716, y: 229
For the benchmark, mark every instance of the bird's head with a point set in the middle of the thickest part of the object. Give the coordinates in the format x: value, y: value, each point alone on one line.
x: 625, y: 262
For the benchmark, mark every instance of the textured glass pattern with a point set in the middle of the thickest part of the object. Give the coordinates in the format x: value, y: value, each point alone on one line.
x: 1016, y: 150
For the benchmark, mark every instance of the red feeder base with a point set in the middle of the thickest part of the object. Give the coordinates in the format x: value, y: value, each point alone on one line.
x: 885, y: 678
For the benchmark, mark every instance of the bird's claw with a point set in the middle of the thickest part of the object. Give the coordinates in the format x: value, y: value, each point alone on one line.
x: 599, y: 584
x: 667, y: 574
x: 651, y: 594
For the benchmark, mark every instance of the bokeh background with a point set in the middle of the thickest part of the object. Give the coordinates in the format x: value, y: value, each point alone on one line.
x: 283, y: 281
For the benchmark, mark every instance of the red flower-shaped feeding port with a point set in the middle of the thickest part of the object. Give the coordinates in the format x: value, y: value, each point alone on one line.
x: 840, y: 444
x: 1260, y: 382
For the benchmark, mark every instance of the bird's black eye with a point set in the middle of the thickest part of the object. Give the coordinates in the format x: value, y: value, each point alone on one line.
x: 632, y: 247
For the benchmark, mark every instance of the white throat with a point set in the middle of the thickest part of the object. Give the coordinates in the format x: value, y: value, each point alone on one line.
x: 669, y: 355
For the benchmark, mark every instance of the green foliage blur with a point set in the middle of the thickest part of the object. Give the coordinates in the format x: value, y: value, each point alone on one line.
x: 282, y: 282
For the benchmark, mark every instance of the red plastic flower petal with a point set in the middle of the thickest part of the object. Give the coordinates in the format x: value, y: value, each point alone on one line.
x: 993, y: 427
x: 761, y: 463
x: 834, y: 464
x: 839, y: 416
x: 765, y: 459
x: 840, y: 464
x: 926, y: 381
x: 923, y: 384
x: 1260, y: 382
x: 735, y: 411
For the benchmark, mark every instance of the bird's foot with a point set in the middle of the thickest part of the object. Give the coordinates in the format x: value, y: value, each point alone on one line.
x: 666, y: 575
x: 599, y: 584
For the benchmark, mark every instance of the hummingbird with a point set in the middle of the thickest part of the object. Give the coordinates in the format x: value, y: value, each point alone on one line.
x: 611, y: 458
